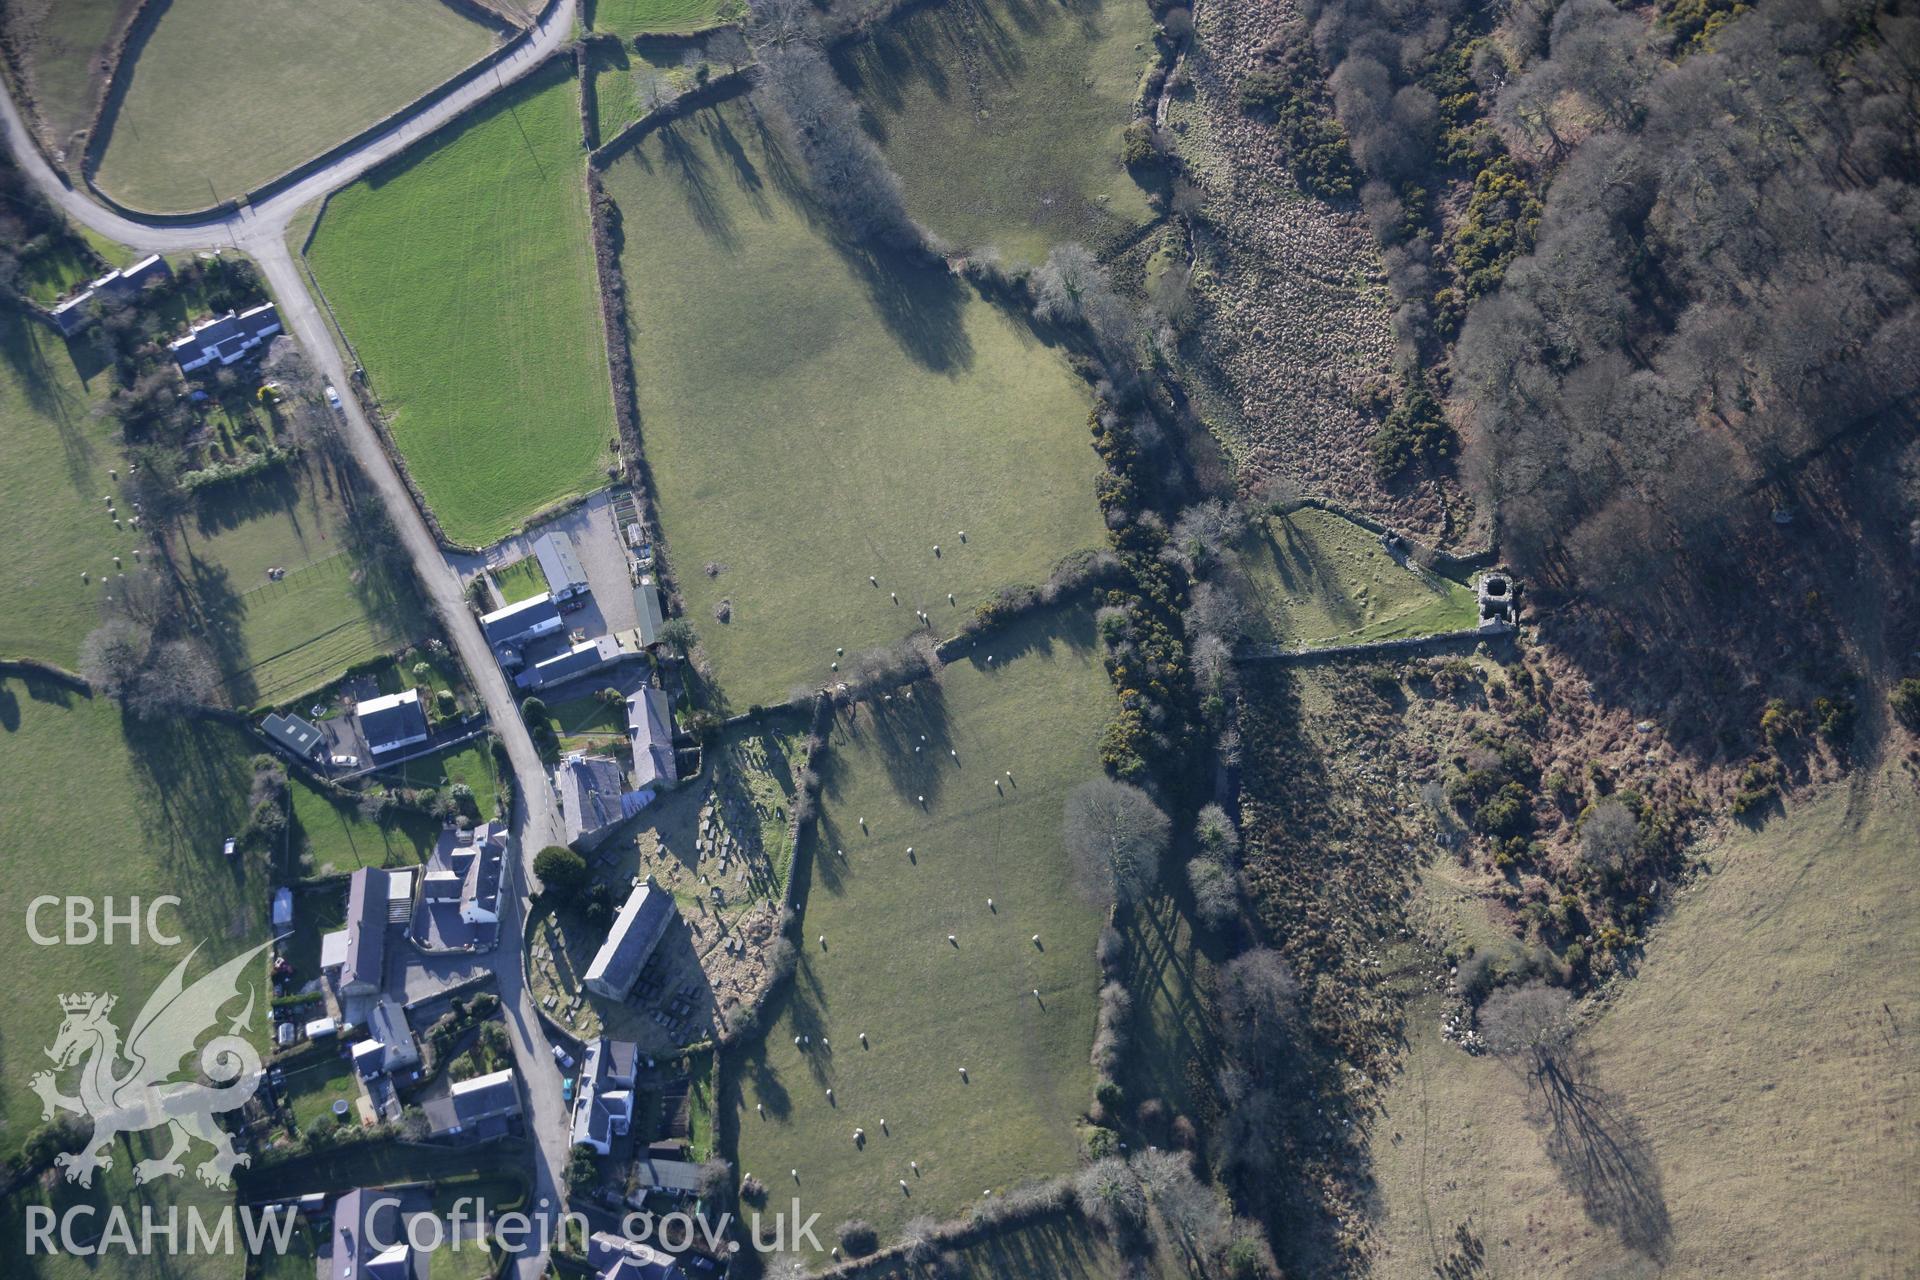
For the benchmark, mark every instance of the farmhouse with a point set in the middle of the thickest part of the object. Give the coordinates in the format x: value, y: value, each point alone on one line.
x: 603, y: 1104
x: 476, y: 1108
x: 369, y: 1238
x: 298, y: 738
x: 392, y: 1039
x: 636, y: 931
x: 650, y: 730
x: 521, y: 621
x: 558, y: 561
x: 359, y: 951
x: 392, y: 723
x: 228, y: 339
x: 613, y: 1257
x: 464, y: 875
x: 593, y: 798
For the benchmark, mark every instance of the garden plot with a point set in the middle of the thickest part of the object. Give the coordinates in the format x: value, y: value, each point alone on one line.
x: 993, y: 748
x: 1004, y: 118
x: 227, y: 94
x: 824, y: 423
x: 463, y: 276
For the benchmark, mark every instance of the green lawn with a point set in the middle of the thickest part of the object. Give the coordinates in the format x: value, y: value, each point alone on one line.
x: 1320, y: 579
x: 520, y: 580
x: 815, y: 414
x: 927, y: 1007
x: 313, y: 1089
x: 627, y: 83
x: 227, y: 94
x: 53, y: 522
x: 335, y: 838
x: 464, y: 278
x: 1003, y: 118
x: 627, y: 18
x: 471, y: 764
x: 57, y: 42
x: 279, y: 640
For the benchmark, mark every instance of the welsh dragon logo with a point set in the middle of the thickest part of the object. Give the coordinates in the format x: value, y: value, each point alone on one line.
x: 132, y: 1088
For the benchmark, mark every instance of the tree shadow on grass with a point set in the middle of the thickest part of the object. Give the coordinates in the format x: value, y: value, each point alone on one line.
x: 921, y: 304
x: 1601, y: 1153
x: 688, y: 165
x: 913, y: 736
x: 275, y: 493
x: 219, y: 612
x: 194, y: 777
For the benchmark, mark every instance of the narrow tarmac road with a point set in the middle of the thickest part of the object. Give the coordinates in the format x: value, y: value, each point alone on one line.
x: 261, y: 233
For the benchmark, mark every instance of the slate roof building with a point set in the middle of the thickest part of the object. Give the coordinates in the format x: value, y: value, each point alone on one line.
x: 77, y: 312
x: 228, y: 339
x: 558, y: 561
x: 650, y: 732
x: 370, y: 1238
x: 603, y: 1098
x: 593, y: 798
x: 392, y: 723
x: 613, y: 1257
x: 636, y: 931
x: 646, y: 605
x: 521, y: 621
x: 479, y: 1107
x: 298, y: 738
x: 362, y: 954
x: 588, y: 655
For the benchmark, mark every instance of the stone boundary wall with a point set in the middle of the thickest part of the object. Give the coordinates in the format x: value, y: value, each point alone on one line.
x: 1451, y: 564
x: 1466, y: 638
x: 717, y: 89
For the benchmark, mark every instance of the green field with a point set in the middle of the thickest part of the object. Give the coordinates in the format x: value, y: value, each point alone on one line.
x: 520, y: 580
x: 313, y: 1089
x: 1003, y: 119
x: 1750, y: 1095
x: 56, y: 42
x: 52, y: 520
x: 1319, y: 579
x: 91, y: 812
x: 278, y: 640
x: 627, y: 83
x: 294, y: 77
x: 927, y: 1007
x: 464, y: 278
x: 628, y: 18
x: 816, y: 414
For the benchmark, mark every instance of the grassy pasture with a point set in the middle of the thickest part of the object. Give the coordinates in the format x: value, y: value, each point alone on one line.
x: 1003, y: 118
x: 464, y: 278
x: 1320, y: 579
x: 1752, y: 1087
x: 53, y: 44
x: 226, y: 94
x: 627, y: 18
x: 94, y: 808
x: 887, y: 969
x: 52, y: 520
x: 627, y: 82
x: 337, y: 839
x: 815, y: 414
x: 332, y: 610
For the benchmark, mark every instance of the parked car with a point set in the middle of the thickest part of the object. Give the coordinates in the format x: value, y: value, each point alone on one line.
x: 346, y: 762
x: 562, y: 1057
x: 231, y: 847
x: 333, y: 397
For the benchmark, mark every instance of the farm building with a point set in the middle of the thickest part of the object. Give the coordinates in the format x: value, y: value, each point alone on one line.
x: 298, y: 738
x: 394, y: 1048
x: 561, y: 565
x: 466, y: 872
x: 603, y: 1104
x: 521, y: 621
x: 392, y: 723
x: 612, y: 1257
x: 650, y: 730
x: 646, y: 606
x: 359, y: 950
x: 636, y: 931
x: 593, y: 798
x: 227, y: 339
x: 479, y: 1107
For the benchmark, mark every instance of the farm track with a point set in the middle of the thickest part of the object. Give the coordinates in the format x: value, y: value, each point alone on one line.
x: 260, y: 232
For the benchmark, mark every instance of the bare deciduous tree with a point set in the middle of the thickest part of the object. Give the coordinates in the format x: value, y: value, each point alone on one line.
x: 1532, y: 1023
x: 112, y: 655
x: 1609, y: 837
x: 1115, y: 835
x: 1259, y: 996
x: 1110, y: 1195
